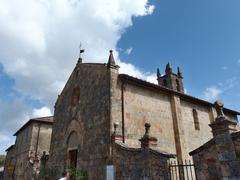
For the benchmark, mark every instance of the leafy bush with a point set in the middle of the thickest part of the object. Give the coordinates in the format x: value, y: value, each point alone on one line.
x: 79, y: 175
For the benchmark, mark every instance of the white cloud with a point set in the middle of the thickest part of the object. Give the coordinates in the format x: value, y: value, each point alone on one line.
x: 39, y: 39
x: 152, y: 78
x: 4, y: 138
x: 39, y: 45
x: 212, y: 93
x: 185, y: 90
x: 5, y: 142
x: 42, y: 112
x: 128, y: 50
x: 224, y: 88
x: 13, y: 116
x: 127, y: 68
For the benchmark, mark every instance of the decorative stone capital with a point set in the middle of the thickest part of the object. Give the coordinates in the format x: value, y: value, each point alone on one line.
x: 147, y: 140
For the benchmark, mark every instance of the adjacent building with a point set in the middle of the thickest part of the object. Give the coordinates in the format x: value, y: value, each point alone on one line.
x: 23, y: 158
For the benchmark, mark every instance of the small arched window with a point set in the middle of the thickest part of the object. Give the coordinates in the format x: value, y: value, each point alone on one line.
x: 75, y: 96
x: 195, y: 119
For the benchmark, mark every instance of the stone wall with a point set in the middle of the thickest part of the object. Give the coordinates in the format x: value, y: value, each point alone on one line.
x: 193, y: 136
x: 40, y: 142
x: 219, y: 157
x: 236, y: 142
x: 211, y: 163
x: 9, y: 165
x: 31, y: 140
x: 143, y: 105
x: 22, y: 146
x: 88, y: 116
x: 144, y: 162
x: 139, y: 163
x: 133, y: 105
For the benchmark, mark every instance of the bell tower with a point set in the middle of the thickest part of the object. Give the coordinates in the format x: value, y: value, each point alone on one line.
x: 171, y: 80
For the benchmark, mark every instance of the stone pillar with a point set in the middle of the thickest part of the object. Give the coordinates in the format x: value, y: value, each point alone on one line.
x: 112, y: 68
x: 217, y: 158
x: 180, y: 143
x: 222, y: 128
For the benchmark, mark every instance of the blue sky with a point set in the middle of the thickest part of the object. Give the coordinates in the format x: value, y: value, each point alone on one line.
x: 202, y: 37
x: 38, y: 53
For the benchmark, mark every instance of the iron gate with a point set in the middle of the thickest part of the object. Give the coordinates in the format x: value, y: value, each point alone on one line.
x: 182, y: 171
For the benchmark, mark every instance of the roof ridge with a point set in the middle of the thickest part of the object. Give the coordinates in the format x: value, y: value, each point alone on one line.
x: 147, y: 83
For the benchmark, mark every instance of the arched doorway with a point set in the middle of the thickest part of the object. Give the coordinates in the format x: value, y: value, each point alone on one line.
x: 72, y: 145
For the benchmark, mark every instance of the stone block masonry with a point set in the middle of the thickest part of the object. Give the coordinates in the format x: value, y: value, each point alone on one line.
x: 219, y: 158
x: 146, y: 162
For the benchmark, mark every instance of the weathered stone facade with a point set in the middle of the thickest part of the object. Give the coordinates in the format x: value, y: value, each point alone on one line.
x: 219, y: 158
x: 169, y: 112
x: 96, y: 97
x: 88, y: 119
x: 146, y: 162
x: 139, y: 163
x: 23, y: 158
x: 10, y: 162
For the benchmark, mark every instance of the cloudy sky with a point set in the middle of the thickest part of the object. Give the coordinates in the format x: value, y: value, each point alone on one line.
x: 39, y: 42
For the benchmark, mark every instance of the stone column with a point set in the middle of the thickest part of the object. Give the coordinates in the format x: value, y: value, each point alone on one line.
x: 180, y: 143
x: 113, y: 75
x: 222, y: 128
x: 222, y: 125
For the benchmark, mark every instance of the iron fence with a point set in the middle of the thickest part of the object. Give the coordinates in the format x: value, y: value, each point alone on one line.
x: 182, y: 171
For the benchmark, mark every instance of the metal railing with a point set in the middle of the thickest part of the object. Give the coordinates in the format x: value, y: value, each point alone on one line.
x: 182, y: 171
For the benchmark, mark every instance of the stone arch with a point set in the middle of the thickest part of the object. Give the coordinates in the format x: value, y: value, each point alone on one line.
x: 74, y: 129
x: 73, y: 141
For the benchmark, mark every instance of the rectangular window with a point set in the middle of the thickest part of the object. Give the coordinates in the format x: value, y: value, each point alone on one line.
x: 195, y: 119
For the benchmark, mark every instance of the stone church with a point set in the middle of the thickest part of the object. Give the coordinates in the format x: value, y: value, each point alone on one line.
x: 103, y: 118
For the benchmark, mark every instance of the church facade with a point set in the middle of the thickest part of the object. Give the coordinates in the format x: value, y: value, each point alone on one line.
x: 97, y: 102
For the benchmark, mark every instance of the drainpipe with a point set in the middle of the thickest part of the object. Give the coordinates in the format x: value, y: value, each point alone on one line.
x: 123, y: 119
